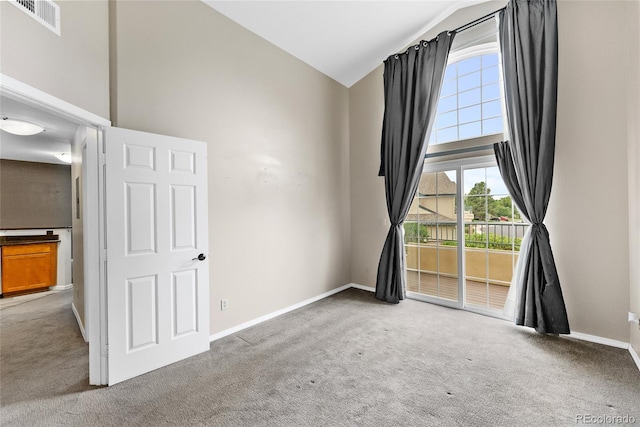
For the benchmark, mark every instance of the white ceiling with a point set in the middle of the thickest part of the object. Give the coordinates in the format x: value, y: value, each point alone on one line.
x: 39, y: 148
x: 343, y: 39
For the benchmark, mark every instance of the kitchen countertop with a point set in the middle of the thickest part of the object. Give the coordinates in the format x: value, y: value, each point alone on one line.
x: 28, y: 240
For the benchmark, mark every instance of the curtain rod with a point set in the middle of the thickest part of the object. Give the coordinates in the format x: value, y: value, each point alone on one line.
x: 458, y: 30
x: 478, y: 21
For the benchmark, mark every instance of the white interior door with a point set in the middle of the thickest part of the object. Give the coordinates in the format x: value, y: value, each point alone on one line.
x: 156, y: 227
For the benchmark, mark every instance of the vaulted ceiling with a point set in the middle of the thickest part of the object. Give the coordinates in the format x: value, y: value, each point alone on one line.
x: 343, y: 39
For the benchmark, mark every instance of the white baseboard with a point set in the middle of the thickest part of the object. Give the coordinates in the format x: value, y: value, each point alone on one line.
x: 362, y: 287
x: 58, y: 288
x: 277, y: 313
x: 635, y: 356
x: 75, y: 312
x: 598, y: 340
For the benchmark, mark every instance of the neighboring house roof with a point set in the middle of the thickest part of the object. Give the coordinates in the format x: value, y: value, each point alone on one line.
x: 438, y: 183
x: 429, y: 217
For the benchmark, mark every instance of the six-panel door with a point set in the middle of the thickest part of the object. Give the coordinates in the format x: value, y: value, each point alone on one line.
x: 158, y: 290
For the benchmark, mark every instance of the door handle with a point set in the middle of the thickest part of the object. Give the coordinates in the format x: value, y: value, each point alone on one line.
x: 200, y: 257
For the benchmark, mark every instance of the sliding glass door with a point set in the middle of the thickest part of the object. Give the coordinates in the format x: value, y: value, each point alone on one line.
x: 462, y: 237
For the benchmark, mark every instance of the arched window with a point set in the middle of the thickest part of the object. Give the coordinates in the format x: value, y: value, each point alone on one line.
x: 471, y: 100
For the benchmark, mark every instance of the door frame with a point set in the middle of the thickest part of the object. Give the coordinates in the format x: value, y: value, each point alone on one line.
x: 94, y: 279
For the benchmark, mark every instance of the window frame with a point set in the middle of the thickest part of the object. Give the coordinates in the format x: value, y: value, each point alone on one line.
x: 482, y: 140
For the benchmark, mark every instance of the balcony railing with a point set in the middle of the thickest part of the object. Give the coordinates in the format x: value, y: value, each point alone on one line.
x: 490, y: 253
x: 496, y: 235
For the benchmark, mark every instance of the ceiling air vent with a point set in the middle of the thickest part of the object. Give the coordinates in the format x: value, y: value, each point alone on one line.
x: 45, y: 12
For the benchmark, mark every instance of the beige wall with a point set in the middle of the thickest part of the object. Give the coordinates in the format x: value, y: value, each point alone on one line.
x: 369, y: 218
x: 34, y: 195
x: 277, y: 135
x: 73, y: 66
x: 591, y: 161
x: 633, y: 127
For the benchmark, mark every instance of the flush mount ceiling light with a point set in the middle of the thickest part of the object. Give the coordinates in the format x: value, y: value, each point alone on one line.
x: 19, y: 127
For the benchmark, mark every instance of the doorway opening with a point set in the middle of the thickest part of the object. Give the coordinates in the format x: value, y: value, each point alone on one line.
x: 36, y: 224
x: 86, y: 130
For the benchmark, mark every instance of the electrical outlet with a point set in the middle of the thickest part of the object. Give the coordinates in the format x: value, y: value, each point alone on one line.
x: 633, y: 318
x: 224, y: 304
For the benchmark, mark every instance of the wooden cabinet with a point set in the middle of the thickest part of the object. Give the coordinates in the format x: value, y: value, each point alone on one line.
x: 29, y: 267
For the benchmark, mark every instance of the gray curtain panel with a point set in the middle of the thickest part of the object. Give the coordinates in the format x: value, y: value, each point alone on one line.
x: 412, y: 83
x: 529, y: 47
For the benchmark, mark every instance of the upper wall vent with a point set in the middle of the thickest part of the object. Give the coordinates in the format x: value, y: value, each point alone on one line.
x: 45, y: 12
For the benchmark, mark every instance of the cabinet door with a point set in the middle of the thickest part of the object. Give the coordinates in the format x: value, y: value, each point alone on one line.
x: 26, y: 267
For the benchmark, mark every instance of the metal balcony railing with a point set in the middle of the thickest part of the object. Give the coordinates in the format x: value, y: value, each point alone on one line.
x: 500, y: 235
